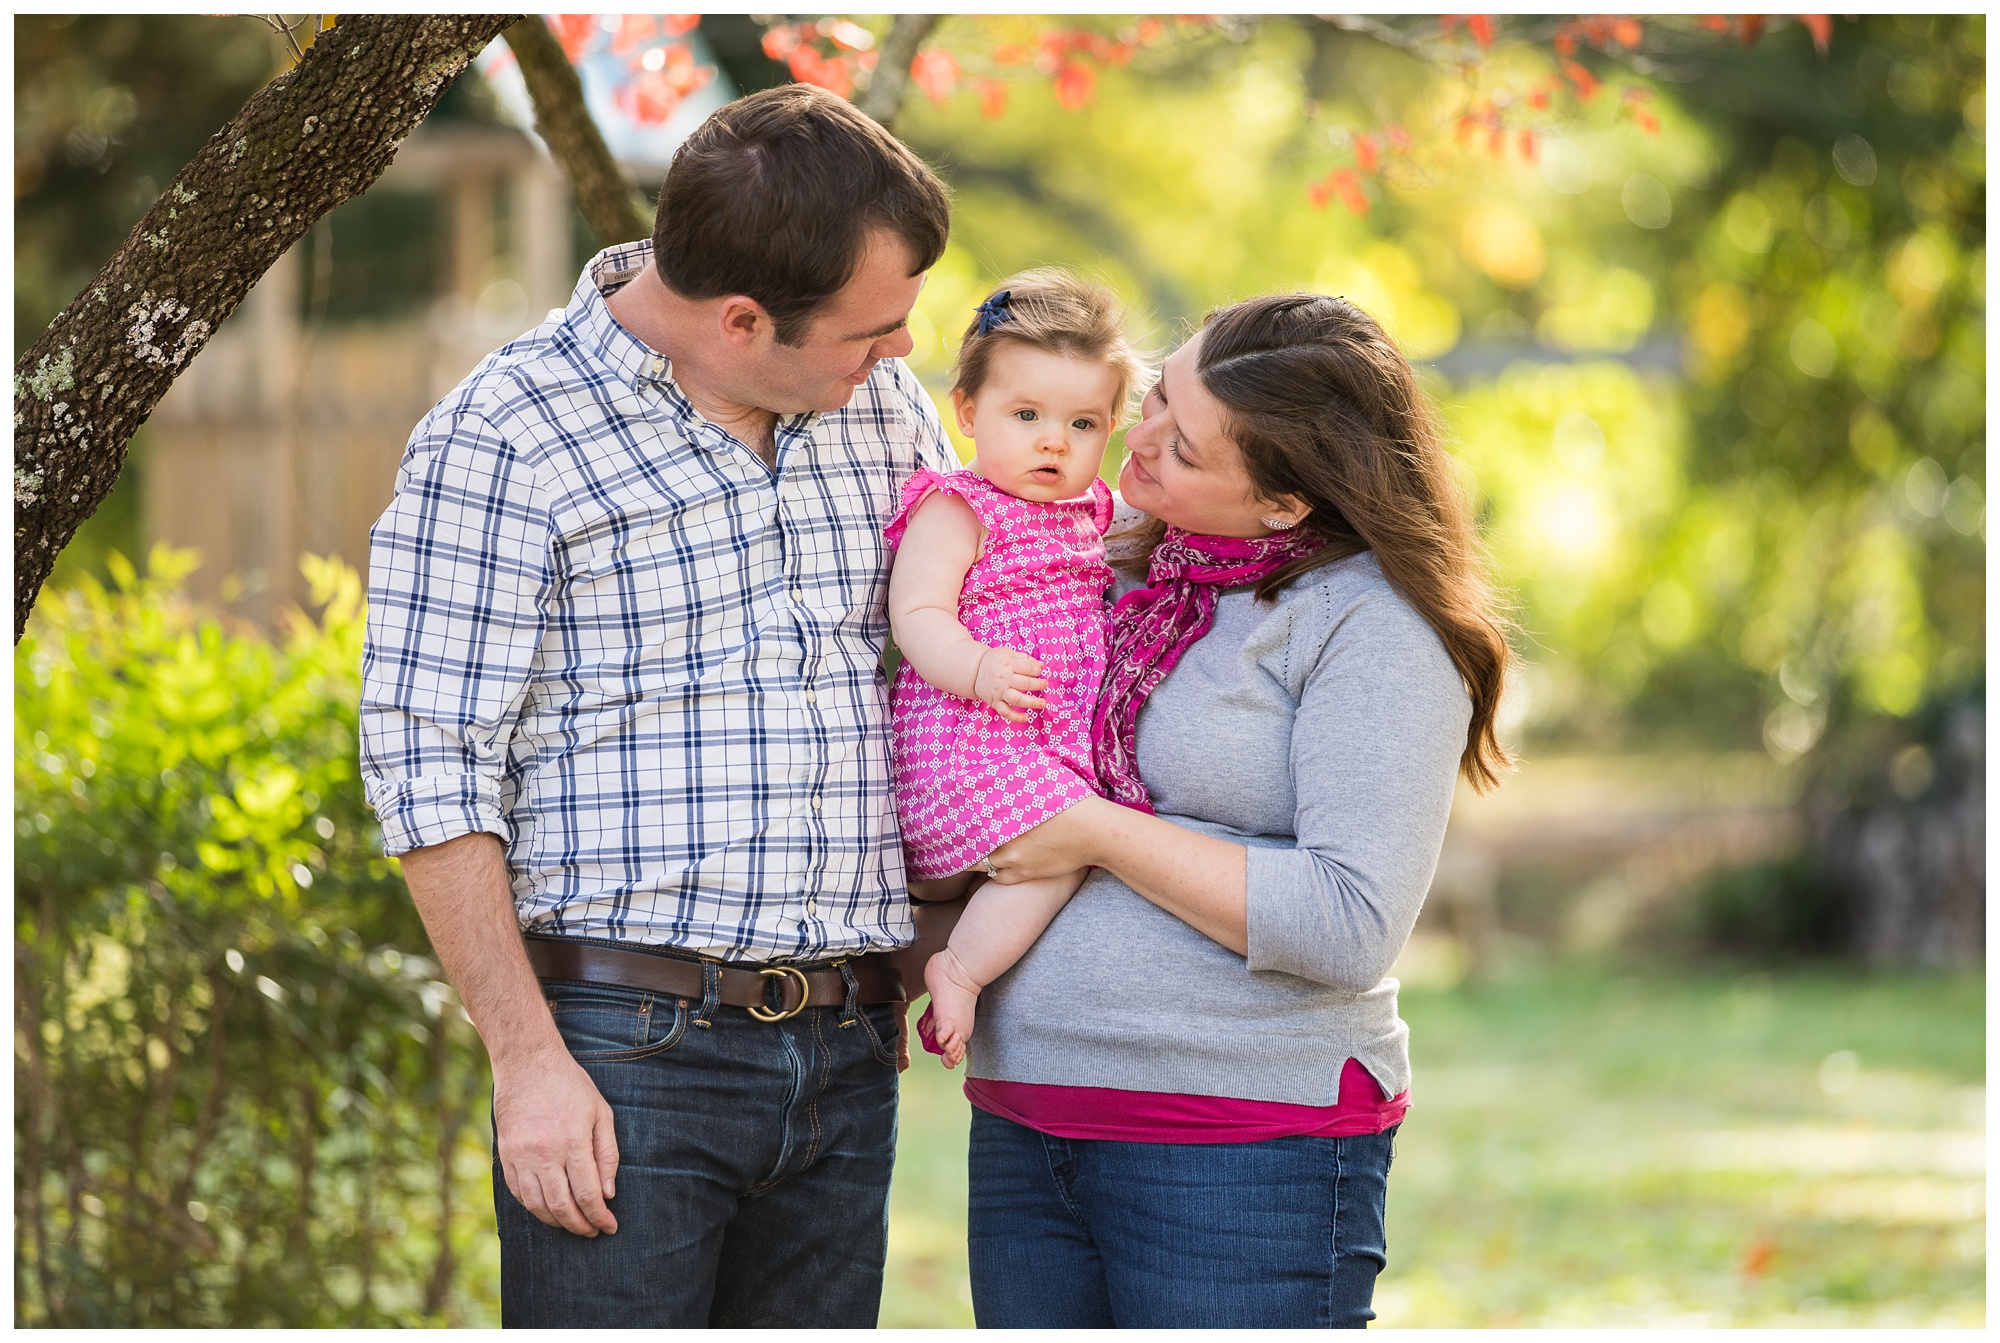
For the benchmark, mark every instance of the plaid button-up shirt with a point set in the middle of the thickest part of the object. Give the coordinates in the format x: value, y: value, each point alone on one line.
x: 602, y: 629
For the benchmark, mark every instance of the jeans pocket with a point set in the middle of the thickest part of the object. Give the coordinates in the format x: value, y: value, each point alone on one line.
x: 604, y: 1024
x: 879, y: 1021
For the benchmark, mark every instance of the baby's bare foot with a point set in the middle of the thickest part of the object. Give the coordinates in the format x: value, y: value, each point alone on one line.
x: 954, y: 1000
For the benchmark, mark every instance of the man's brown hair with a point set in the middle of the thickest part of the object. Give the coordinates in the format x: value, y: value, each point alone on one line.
x: 774, y: 195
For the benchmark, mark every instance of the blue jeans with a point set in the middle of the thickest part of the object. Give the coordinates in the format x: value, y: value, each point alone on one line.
x: 1091, y: 1234
x: 753, y: 1169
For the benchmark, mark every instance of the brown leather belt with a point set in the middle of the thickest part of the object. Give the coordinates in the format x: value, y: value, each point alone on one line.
x: 771, y: 992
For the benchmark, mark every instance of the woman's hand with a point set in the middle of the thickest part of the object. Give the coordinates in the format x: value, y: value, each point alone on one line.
x: 1199, y: 879
x: 1066, y: 842
x: 1010, y: 682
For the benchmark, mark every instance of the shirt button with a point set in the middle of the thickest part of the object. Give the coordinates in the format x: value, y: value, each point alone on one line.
x: 815, y: 801
x: 812, y: 696
x: 658, y: 366
x: 812, y: 907
x: 798, y: 597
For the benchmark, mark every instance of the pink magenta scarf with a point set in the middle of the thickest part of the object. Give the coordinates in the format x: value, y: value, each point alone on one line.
x: 1152, y: 626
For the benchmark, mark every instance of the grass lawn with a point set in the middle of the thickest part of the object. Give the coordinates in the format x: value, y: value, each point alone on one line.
x: 1804, y: 1148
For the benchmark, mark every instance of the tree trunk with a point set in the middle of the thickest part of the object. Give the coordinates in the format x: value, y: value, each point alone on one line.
x: 614, y: 211
x: 890, y: 82
x: 309, y: 140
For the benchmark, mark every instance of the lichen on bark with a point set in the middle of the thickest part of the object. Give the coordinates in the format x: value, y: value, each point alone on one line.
x: 253, y: 190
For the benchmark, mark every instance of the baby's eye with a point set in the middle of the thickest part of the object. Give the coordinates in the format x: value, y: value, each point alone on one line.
x: 1025, y: 416
x: 1086, y: 425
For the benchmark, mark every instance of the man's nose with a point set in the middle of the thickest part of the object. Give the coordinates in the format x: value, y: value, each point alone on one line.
x: 896, y: 345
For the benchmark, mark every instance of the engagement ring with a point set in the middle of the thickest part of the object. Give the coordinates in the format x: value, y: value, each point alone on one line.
x: 987, y: 863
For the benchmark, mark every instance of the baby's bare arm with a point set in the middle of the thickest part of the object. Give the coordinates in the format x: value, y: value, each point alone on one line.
x: 939, y: 545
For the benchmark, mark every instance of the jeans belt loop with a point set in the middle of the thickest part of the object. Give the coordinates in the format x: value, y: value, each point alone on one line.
x: 852, y: 1012
x: 711, y: 991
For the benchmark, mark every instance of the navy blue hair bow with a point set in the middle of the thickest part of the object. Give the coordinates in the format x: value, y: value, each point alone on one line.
x: 994, y: 311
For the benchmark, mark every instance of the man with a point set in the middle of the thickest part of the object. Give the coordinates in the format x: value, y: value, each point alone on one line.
x: 621, y: 695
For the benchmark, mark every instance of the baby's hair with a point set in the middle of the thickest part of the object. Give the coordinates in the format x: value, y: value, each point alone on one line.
x: 1050, y: 309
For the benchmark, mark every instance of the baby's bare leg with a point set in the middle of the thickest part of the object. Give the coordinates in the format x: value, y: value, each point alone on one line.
x: 1000, y: 923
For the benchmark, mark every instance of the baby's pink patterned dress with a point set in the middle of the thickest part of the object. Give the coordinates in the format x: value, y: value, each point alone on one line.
x: 967, y: 780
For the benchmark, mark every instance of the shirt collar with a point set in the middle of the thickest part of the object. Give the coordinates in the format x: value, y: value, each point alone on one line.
x: 631, y: 359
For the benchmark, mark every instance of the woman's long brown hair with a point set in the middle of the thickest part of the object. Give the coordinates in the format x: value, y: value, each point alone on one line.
x: 1324, y: 407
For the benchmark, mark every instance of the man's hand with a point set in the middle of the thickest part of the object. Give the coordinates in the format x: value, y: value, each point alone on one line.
x: 553, y: 1129
x: 1010, y: 682
x: 557, y: 1150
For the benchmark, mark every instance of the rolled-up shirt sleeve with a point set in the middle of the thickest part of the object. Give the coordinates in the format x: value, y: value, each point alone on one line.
x: 1381, y: 724
x: 458, y: 577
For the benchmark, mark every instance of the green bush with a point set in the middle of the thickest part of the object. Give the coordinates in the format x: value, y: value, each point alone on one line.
x: 242, y: 1096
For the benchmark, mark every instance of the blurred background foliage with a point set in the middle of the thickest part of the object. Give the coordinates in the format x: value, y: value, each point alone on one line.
x: 241, y: 1097
x: 1719, y: 394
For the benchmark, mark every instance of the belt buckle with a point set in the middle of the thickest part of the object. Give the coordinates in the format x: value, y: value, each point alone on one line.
x: 783, y: 1014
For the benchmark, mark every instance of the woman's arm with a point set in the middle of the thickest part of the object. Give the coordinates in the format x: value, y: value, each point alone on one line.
x: 1199, y: 879
x: 939, y: 545
x: 1377, y: 732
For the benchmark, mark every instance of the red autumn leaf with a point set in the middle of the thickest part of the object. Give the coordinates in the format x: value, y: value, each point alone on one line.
x: 935, y: 74
x: 1448, y: 24
x: 1647, y: 121
x: 1585, y: 82
x: 1076, y: 84
x: 574, y: 32
x: 1496, y: 142
x: 1466, y: 126
x: 866, y: 60
x: 992, y: 100
x: 1013, y: 53
x: 1757, y: 1256
x: 1348, y: 187
x: 679, y: 25
x: 809, y: 67
x: 1748, y: 26
x: 1482, y: 27
x: 781, y: 41
x: 1320, y: 193
x: 1399, y: 139
x: 1628, y: 33
x: 1538, y: 97
x: 1565, y: 42
x: 1528, y: 145
x: 1366, y: 154
x: 633, y: 32
x: 1150, y: 29
x: 1715, y: 23
x: 1821, y: 28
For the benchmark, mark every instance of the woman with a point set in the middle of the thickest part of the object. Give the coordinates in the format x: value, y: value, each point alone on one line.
x: 1187, y: 1093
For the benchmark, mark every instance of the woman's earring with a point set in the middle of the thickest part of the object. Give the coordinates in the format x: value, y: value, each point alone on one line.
x: 1278, y: 524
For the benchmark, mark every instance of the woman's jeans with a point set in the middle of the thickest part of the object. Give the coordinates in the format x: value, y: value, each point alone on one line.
x: 1091, y: 1234
x: 753, y: 1170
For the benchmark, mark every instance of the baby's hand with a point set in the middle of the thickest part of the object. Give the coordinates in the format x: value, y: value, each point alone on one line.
x: 1009, y: 681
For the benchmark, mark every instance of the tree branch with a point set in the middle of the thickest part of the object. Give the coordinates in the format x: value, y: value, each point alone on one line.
x: 614, y: 211
x: 312, y: 138
x: 883, y: 98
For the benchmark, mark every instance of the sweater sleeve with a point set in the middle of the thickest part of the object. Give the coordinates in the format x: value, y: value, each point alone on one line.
x: 1381, y: 723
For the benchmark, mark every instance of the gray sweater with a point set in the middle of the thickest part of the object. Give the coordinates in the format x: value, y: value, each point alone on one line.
x: 1323, y: 732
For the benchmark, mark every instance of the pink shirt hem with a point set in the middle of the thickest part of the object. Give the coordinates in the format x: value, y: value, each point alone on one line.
x: 1159, y: 1116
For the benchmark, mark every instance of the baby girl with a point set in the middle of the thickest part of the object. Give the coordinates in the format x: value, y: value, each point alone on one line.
x: 997, y: 603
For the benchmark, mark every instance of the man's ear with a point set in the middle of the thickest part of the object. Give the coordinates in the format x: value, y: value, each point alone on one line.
x: 962, y: 404
x: 743, y: 321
